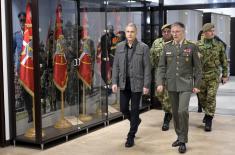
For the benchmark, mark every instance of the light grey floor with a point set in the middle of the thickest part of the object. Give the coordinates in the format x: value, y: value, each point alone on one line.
x: 150, y: 139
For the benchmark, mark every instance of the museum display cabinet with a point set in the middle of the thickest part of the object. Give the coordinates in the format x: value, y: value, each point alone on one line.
x: 61, y: 65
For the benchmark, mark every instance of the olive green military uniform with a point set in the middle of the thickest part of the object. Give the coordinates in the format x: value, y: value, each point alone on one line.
x: 180, y: 69
x: 213, y: 56
x: 155, y: 53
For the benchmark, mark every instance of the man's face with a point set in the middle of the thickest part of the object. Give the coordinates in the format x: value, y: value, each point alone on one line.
x: 166, y: 34
x: 130, y: 33
x: 210, y: 33
x: 22, y: 20
x: 177, y: 33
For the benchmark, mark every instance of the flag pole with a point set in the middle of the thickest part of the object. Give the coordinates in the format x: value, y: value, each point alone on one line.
x: 31, y: 133
x: 62, y: 123
x: 84, y: 117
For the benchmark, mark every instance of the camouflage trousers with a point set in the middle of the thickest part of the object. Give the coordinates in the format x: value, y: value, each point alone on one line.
x: 163, y: 97
x: 207, y: 95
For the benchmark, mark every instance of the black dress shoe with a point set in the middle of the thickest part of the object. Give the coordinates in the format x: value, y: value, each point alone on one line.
x: 182, y: 148
x: 176, y: 143
x: 129, y: 142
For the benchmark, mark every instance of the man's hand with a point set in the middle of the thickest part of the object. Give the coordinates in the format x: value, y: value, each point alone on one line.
x: 160, y: 88
x: 145, y: 91
x: 224, y: 80
x: 114, y: 88
x: 195, y: 90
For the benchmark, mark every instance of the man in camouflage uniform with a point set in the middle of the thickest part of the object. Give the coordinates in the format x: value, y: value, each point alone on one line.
x: 155, y: 53
x: 213, y: 56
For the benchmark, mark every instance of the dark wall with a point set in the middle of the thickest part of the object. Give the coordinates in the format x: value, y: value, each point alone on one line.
x: 232, y: 50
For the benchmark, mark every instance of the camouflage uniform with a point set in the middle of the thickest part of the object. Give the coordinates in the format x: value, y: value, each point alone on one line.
x: 155, y: 53
x: 213, y: 56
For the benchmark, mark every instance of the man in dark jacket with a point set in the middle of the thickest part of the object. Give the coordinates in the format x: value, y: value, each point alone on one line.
x: 132, y: 73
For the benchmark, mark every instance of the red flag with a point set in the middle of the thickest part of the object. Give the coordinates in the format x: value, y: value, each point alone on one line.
x: 26, y: 59
x: 85, y: 67
x: 85, y: 24
x: 60, y: 76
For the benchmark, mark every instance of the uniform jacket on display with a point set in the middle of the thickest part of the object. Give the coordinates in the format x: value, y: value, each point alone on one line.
x: 177, y: 65
x: 140, y: 67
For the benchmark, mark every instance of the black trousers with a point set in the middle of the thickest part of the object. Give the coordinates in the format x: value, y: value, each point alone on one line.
x: 133, y: 114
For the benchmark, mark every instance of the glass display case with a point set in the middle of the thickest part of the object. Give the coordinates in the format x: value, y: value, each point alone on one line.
x: 62, y: 58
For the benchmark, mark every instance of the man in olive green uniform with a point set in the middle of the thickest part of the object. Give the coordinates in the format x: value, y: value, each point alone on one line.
x: 155, y: 53
x: 213, y: 58
x: 179, y: 69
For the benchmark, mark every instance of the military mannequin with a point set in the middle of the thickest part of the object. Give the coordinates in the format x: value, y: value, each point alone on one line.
x: 213, y: 56
x: 179, y: 70
x: 21, y: 94
x: 106, y: 54
x: 155, y: 53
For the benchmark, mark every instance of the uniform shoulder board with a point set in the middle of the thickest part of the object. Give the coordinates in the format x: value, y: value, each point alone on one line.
x: 168, y: 42
x: 192, y: 42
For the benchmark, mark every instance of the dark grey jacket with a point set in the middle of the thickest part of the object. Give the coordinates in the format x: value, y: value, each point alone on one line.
x: 140, y: 67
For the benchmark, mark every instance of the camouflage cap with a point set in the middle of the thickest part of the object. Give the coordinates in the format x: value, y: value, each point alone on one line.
x: 207, y: 27
x: 166, y: 26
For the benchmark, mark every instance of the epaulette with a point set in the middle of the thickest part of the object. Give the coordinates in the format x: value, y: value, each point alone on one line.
x: 192, y: 42
x: 168, y: 42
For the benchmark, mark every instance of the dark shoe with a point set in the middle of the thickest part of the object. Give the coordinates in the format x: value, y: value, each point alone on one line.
x: 176, y: 143
x: 166, y: 122
x: 129, y: 142
x: 182, y: 148
x: 208, y: 123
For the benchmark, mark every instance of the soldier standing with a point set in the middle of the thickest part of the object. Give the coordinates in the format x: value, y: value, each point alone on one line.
x: 180, y: 69
x: 213, y: 56
x: 155, y: 53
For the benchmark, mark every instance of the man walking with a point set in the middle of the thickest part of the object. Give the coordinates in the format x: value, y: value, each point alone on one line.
x: 179, y: 69
x: 131, y: 72
x: 213, y: 56
x: 155, y: 53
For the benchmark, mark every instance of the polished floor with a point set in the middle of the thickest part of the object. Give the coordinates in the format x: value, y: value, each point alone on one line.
x: 150, y: 139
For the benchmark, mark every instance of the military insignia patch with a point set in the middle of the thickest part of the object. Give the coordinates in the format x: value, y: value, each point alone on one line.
x: 187, y: 50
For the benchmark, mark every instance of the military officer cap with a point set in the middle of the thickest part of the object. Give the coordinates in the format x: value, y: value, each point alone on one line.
x: 207, y: 27
x: 166, y: 26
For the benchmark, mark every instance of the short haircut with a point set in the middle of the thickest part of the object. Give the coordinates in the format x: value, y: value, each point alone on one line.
x: 178, y: 24
x: 131, y: 25
x: 21, y: 14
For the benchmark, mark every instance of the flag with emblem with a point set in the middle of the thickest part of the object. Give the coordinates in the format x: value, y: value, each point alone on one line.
x: 85, y: 67
x: 26, y: 59
x: 60, y: 76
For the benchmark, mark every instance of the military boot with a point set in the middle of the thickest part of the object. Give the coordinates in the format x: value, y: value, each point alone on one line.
x: 166, y: 122
x: 204, y: 119
x: 208, y: 123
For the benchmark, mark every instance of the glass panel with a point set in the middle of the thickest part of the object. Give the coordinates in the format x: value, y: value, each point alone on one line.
x: 58, y: 32
x: 23, y: 67
x: 92, y: 109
